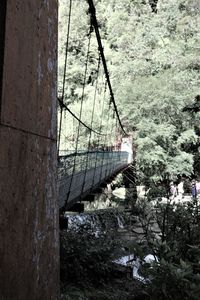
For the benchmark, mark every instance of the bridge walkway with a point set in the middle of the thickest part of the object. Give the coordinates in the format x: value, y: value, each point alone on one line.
x: 79, y: 175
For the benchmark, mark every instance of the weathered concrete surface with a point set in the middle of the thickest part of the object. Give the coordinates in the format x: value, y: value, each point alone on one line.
x: 2, y: 39
x: 28, y: 217
x: 30, y: 49
x: 29, y: 244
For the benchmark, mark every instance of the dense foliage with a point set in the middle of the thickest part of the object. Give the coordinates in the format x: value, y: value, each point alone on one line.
x: 87, y: 268
x: 176, y: 273
x: 152, y: 51
x: 86, y: 260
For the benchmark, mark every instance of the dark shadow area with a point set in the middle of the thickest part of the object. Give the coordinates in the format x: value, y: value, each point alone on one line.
x: 3, y: 5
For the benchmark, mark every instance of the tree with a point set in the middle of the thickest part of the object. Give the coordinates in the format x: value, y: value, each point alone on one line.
x: 159, y: 75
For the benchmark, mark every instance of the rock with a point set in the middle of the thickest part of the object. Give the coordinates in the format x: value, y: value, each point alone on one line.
x: 155, y: 228
x: 138, y: 230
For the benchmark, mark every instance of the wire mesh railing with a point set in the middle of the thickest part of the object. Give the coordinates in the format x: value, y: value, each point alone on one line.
x: 81, y: 172
x: 88, y: 160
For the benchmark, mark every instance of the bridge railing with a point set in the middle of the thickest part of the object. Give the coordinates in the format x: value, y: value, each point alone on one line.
x: 69, y: 162
x: 80, y: 173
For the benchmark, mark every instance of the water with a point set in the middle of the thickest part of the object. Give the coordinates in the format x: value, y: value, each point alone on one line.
x: 120, y: 222
x: 96, y: 222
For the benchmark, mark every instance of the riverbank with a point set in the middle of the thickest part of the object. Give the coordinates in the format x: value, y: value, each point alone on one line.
x: 93, y: 241
x: 163, y: 230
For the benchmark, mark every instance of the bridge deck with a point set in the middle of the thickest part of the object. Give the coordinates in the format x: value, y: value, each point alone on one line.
x: 79, y: 174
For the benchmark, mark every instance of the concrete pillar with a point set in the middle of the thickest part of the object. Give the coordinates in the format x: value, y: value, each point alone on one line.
x: 29, y: 243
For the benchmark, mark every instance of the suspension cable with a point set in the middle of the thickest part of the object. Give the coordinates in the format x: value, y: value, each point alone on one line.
x: 92, y: 119
x: 63, y: 105
x: 80, y: 113
x: 105, y: 141
x: 94, y: 21
x: 100, y: 126
x: 129, y: 178
x: 64, y: 74
x: 110, y: 147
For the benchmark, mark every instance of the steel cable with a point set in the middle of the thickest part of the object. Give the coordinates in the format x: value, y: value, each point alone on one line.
x: 64, y: 74
x: 92, y: 119
x: 80, y: 113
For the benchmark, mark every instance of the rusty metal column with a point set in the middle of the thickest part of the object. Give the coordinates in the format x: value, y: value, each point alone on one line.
x: 29, y: 235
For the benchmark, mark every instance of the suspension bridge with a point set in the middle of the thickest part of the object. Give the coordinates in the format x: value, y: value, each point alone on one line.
x: 40, y: 167
x: 108, y: 147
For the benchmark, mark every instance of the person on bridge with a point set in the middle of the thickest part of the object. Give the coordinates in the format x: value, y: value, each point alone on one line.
x: 194, y: 190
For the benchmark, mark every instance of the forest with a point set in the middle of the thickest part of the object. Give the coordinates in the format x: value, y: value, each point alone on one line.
x: 152, y: 52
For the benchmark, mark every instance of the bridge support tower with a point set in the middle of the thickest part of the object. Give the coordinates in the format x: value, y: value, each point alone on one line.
x: 29, y: 243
